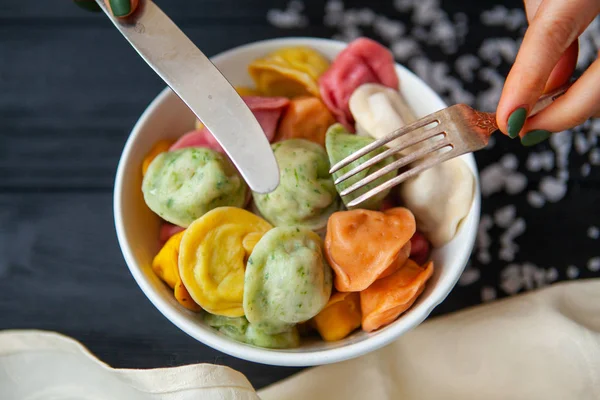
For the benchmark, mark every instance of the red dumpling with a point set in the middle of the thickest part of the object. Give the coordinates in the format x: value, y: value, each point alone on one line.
x: 267, y: 110
x: 363, y: 61
x: 167, y: 230
x: 197, y: 138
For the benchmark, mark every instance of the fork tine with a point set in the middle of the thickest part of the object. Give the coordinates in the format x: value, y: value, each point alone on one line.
x: 380, y: 142
x: 410, y: 140
x: 395, y: 165
x: 428, y: 163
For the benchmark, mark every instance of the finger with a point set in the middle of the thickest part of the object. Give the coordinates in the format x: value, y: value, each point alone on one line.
x: 531, y: 7
x: 581, y: 102
x: 563, y: 71
x: 554, y: 28
x: 122, y: 8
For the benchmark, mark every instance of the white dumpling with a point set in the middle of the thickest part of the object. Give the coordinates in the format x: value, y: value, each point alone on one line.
x: 378, y: 110
x: 440, y: 198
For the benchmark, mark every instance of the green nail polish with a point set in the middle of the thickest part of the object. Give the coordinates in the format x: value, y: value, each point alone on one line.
x: 516, y: 121
x: 534, y: 137
x: 120, y: 8
x: 89, y: 5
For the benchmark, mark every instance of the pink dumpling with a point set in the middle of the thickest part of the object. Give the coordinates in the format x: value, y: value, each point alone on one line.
x: 363, y: 61
x: 197, y: 138
x: 167, y: 230
x: 266, y: 110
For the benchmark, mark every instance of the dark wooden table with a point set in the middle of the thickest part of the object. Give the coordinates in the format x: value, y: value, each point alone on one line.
x: 71, y: 89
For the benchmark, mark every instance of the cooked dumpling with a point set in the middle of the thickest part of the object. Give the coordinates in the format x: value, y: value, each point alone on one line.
x: 182, y: 185
x: 362, y: 246
x: 287, y: 279
x: 340, y: 317
x: 306, y: 195
x: 289, y: 72
x: 283, y: 340
x: 306, y: 118
x: 440, y: 199
x: 363, y: 61
x: 239, y: 329
x: 377, y: 110
x: 212, y: 257
x: 341, y: 144
x: 387, y: 298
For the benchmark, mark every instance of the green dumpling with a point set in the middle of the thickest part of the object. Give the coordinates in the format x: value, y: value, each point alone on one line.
x: 340, y: 144
x: 306, y: 195
x: 287, y: 279
x: 182, y: 185
x: 239, y: 329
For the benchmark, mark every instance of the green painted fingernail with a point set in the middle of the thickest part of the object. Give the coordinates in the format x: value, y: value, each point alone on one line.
x: 516, y: 121
x: 534, y: 137
x: 89, y: 5
x: 120, y: 8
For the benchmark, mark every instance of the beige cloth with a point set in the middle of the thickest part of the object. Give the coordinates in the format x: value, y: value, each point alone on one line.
x: 543, y: 345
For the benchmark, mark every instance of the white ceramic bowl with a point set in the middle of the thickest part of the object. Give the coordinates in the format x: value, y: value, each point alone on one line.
x: 137, y: 227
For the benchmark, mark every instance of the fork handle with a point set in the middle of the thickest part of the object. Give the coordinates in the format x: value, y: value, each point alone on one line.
x: 546, y: 99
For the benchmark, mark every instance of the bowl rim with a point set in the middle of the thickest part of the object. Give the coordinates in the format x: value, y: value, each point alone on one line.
x: 257, y: 354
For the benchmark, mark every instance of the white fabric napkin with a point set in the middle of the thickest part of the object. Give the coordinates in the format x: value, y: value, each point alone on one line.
x: 542, y: 345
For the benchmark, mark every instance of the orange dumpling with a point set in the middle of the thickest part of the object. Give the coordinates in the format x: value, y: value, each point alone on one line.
x: 305, y: 118
x: 387, y: 298
x: 399, y: 262
x: 361, y: 244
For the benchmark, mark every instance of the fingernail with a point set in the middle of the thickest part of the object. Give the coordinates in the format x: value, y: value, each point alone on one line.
x: 516, y: 121
x: 89, y: 5
x: 534, y: 137
x: 120, y: 8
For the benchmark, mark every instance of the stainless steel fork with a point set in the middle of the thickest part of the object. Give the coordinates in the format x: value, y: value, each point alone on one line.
x: 439, y: 137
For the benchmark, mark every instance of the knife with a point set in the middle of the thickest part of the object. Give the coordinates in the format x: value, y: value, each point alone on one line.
x: 202, y: 87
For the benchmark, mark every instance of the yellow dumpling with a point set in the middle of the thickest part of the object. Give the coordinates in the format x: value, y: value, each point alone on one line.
x: 213, y: 255
x: 165, y: 266
x: 340, y: 317
x: 289, y: 72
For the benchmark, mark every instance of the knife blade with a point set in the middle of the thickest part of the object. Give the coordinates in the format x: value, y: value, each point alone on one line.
x: 204, y: 89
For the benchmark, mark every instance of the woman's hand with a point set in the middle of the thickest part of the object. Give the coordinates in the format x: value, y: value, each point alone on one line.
x: 119, y: 8
x: 545, y: 61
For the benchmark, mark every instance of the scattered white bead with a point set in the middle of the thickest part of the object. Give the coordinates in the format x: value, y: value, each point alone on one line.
x: 488, y: 294
x: 405, y: 48
x: 572, y: 272
x: 497, y: 50
x: 551, y: 274
x: 563, y: 175
x: 508, y: 248
x: 581, y: 144
x: 594, y: 264
x: 505, y: 215
x: 515, y: 183
x: 595, y: 156
x: 586, y: 169
x: 501, y: 16
x: 484, y: 257
x: 509, y: 161
x: 535, y: 199
x: 528, y: 276
x: 593, y: 232
x: 469, y: 276
x: 492, y: 179
x: 466, y: 65
x: 552, y: 188
x: 291, y: 17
